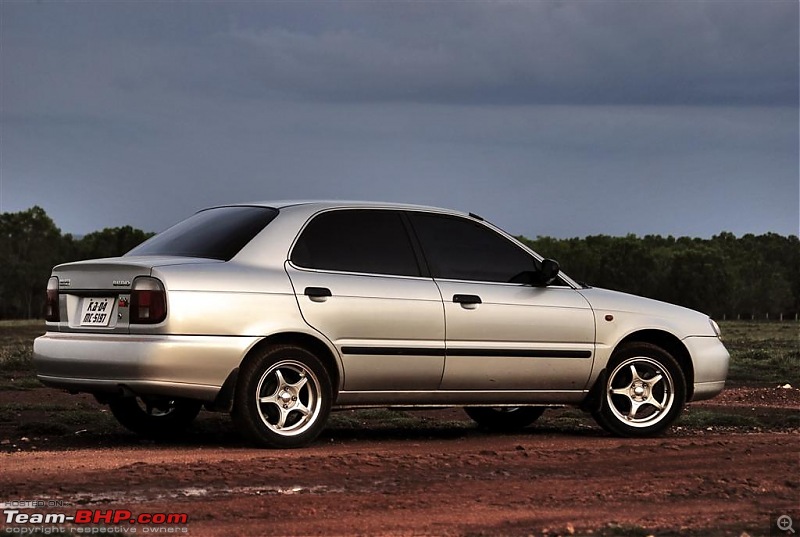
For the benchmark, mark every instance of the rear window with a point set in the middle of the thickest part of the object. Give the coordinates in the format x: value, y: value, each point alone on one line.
x: 212, y: 234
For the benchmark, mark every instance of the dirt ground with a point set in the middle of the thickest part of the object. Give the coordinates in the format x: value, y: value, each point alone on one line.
x: 443, y: 477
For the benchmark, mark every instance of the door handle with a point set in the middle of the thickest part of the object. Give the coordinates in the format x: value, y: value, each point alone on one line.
x: 317, y: 294
x: 465, y: 300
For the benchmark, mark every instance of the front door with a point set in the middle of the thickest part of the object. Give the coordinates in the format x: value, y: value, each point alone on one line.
x: 503, y: 335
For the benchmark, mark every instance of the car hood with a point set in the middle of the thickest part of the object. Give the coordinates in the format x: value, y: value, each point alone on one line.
x: 650, y: 313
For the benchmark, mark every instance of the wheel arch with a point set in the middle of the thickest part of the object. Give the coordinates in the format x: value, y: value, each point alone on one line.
x: 313, y: 344
x: 225, y: 398
x: 672, y: 345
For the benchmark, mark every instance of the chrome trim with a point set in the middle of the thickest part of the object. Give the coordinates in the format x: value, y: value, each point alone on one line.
x: 499, y: 352
x: 461, y: 397
x: 347, y: 273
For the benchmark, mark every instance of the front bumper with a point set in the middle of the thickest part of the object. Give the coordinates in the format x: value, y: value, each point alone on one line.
x: 193, y: 367
x: 710, y: 359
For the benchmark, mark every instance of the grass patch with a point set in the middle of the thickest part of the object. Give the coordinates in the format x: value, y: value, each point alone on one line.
x: 565, y: 419
x: 86, y: 419
x: 42, y: 419
x: 24, y: 324
x: 384, y: 418
x: 16, y: 345
x: 36, y: 407
x: 744, y: 418
x: 625, y: 530
x: 763, y: 353
x: 16, y: 357
x: 696, y: 419
x: 19, y: 383
x: 43, y: 428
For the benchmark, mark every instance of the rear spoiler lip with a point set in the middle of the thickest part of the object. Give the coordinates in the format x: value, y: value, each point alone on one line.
x: 133, y: 262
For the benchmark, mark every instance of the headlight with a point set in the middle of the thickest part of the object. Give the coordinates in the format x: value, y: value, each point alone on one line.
x: 715, y: 327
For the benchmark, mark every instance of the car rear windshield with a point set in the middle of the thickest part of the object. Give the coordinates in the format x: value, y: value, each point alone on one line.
x: 213, y: 234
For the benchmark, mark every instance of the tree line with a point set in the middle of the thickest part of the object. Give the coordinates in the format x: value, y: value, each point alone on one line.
x: 31, y: 245
x: 753, y: 276
x: 725, y: 276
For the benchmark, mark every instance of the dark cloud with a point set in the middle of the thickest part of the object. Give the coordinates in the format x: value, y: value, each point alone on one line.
x: 497, y: 53
x: 538, y: 52
x: 562, y: 118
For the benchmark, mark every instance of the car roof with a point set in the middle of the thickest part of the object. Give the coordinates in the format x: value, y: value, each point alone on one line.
x: 317, y: 205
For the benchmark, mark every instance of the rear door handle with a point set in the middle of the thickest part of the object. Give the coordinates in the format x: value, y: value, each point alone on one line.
x: 465, y: 300
x: 318, y: 294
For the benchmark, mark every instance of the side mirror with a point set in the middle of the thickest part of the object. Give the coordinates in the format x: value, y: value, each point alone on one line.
x: 549, y: 272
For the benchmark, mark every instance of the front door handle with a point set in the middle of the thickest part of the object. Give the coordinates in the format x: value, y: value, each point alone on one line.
x: 466, y: 300
x: 318, y: 294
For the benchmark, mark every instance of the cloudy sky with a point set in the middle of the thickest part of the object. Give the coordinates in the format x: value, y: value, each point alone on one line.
x: 548, y: 118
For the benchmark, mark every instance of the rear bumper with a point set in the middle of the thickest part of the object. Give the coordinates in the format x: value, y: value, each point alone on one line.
x: 710, y: 359
x: 177, y: 366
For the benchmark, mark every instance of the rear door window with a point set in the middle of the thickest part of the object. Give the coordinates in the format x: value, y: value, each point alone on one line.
x: 218, y: 233
x: 367, y: 241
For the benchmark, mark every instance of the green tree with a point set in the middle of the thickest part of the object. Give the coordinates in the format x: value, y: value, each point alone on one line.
x: 110, y: 242
x: 751, y: 275
x: 30, y: 244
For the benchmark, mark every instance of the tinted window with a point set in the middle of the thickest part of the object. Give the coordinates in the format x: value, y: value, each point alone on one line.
x: 461, y: 249
x: 214, y: 233
x: 370, y: 241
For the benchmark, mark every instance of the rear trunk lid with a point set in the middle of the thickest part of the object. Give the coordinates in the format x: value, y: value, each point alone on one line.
x: 94, y: 295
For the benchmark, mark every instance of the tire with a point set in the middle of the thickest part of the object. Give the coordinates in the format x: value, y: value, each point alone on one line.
x: 504, y: 418
x: 154, y: 418
x: 644, y: 393
x: 283, y: 397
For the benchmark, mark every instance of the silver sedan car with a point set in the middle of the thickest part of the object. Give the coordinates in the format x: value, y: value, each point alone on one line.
x: 280, y: 312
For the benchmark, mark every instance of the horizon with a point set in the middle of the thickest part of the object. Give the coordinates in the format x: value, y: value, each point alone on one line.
x: 633, y: 235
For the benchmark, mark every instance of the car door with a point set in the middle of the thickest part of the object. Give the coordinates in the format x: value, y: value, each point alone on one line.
x: 502, y: 335
x: 358, y: 281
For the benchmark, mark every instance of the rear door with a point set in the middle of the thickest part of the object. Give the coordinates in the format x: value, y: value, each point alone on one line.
x: 503, y: 335
x: 358, y: 281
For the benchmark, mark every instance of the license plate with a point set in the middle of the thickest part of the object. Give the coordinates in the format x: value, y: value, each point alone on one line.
x: 97, y: 311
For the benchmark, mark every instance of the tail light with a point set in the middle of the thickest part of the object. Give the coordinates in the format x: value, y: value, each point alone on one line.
x: 51, y: 308
x: 148, y: 301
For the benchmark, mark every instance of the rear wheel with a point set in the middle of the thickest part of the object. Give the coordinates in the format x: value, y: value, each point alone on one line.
x: 154, y: 417
x: 283, y: 397
x: 504, y: 418
x: 644, y: 393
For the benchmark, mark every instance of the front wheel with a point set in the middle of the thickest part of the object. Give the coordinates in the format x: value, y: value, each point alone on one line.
x: 644, y: 393
x: 283, y: 397
x: 154, y: 417
x: 504, y: 418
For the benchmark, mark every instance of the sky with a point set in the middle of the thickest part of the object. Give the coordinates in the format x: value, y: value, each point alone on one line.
x: 548, y: 118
